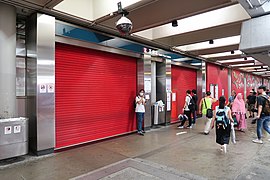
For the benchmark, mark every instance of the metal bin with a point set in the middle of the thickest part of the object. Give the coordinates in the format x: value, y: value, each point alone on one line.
x: 13, y: 137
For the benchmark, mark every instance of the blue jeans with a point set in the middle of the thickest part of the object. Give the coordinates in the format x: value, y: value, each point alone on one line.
x: 263, y: 121
x: 140, y: 118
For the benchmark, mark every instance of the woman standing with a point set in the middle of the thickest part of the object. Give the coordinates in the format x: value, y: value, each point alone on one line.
x: 223, y: 118
x: 239, y: 110
x: 140, y: 110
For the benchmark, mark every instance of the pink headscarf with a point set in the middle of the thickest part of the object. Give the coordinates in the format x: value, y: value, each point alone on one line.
x: 239, y: 104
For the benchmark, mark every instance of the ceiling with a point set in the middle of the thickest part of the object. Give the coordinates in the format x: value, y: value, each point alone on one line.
x: 206, y: 29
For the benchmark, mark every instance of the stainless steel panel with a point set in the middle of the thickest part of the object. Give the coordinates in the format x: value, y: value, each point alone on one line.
x: 45, y: 76
x: 168, y: 101
x: 148, y: 90
x: 153, y: 82
x: 40, y: 42
x: 13, y: 137
x: 21, y: 106
x: 161, y: 88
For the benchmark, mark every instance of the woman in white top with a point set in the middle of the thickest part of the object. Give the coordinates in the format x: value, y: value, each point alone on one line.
x: 140, y: 110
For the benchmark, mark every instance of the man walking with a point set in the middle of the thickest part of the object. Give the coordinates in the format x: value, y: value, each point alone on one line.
x: 263, y: 116
x: 206, y: 103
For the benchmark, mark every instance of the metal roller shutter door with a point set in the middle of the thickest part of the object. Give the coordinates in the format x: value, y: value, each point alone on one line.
x: 94, y: 95
x: 183, y: 79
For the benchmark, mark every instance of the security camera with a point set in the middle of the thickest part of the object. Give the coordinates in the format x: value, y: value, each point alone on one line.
x: 124, y: 25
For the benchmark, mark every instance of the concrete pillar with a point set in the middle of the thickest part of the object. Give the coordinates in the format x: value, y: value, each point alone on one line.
x: 7, y: 61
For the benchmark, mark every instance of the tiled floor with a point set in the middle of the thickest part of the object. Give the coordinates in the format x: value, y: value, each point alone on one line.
x: 160, y: 154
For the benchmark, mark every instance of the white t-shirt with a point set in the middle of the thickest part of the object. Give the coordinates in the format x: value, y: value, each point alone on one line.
x: 139, y: 106
x: 187, y: 101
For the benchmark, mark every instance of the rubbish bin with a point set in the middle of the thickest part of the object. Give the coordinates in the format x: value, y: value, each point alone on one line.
x: 158, y: 108
x: 13, y: 137
x: 155, y: 113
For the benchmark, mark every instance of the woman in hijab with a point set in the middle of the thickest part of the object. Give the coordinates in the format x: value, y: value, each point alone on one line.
x: 239, y: 110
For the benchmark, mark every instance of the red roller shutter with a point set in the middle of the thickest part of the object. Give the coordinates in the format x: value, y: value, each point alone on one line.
x: 94, y: 95
x: 183, y: 79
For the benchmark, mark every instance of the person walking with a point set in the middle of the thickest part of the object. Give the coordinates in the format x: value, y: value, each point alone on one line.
x: 206, y: 103
x: 140, y: 110
x: 251, y: 100
x: 231, y: 98
x: 223, y: 119
x: 263, y: 116
x: 195, y: 100
x: 239, y: 110
x: 187, y: 110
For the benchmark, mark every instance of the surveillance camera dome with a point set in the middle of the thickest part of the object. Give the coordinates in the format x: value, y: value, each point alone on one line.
x: 124, y: 25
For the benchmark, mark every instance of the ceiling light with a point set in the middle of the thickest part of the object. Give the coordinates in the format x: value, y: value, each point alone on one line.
x: 174, y: 23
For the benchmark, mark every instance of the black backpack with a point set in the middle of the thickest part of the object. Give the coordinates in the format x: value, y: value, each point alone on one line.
x: 191, y: 105
x: 266, y: 108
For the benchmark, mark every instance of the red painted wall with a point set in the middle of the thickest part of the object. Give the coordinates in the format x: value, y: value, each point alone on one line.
x: 215, y: 75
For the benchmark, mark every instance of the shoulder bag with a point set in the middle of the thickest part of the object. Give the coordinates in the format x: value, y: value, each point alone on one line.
x: 209, y: 112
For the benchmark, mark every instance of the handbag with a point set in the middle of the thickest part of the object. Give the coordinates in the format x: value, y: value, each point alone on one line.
x: 209, y: 112
x: 235, y: 122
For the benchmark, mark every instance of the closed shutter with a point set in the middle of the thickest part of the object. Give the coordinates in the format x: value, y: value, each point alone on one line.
x: 94, y: 95
x: 183, y: 79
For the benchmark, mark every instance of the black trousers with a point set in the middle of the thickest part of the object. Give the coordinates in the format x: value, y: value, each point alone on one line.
x: 188, y: 113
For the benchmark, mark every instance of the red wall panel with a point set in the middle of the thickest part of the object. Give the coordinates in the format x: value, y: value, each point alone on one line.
x: 238, y: 82
x: 216, y: 75
x: 183, y: 79
x: 94, y: 95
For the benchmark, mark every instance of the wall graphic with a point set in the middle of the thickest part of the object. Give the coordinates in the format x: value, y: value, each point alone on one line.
x: 253, y: 82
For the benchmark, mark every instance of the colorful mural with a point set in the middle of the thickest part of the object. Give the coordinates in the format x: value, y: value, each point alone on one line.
x: 253, y: 82
x: 238, y: 81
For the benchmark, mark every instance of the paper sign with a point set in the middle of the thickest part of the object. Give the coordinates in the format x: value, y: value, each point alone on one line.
x: 50, y: 88
x: 17, y: 129
x: 223, y: 92
x: 147, y: 97
x: 216, y: 91
x: 8, y: 130
x: 147, y: 85
x: 212, y: 90
x: 173, y: 96
x: 42, y: 88
x: 168, y: 101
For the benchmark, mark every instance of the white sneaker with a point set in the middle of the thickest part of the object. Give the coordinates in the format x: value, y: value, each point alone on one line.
x: 268, y: 139
x: 189, y: 127
x: 225, y: 148
x: 180, y: 127
x: 257, y: 141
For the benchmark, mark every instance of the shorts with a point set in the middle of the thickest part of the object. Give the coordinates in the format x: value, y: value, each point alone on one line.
x: 251, y: 107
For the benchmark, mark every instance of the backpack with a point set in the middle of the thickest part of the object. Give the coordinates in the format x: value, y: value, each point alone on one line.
x: 191, y: 105
x: 266, y: 108
x: 221, y: 118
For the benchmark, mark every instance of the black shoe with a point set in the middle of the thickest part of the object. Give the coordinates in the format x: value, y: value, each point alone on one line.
x: 249, y: 116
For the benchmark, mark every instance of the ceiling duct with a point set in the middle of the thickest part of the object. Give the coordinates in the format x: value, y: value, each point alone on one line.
x: 255, y: 38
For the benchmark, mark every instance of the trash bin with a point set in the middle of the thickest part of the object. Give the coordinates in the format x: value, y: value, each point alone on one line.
x: 158, y: 107
x: 155, y: 113
x: 13, y: 137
